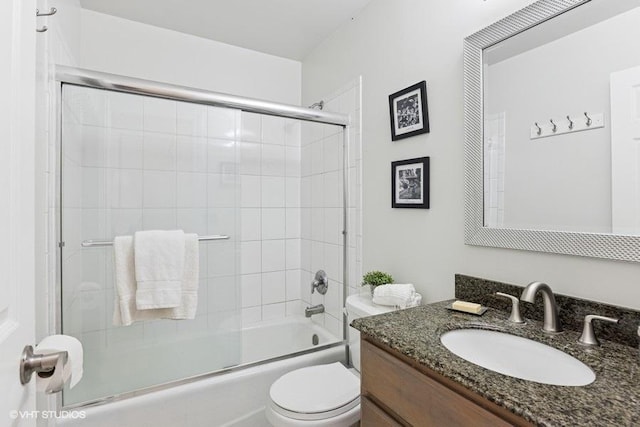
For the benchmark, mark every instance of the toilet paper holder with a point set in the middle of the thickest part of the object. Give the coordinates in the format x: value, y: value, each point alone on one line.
x: 44, y: 364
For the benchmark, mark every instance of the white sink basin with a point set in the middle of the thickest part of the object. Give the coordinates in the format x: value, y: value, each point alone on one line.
x: 517, y: 357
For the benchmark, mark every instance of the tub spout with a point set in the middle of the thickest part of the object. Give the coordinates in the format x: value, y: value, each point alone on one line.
x: 314, y: 309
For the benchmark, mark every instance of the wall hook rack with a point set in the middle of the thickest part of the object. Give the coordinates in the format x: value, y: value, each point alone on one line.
x: 52, y: 11
x: 573, y: 123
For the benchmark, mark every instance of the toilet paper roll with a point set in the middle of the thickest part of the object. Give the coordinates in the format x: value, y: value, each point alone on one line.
x: 71, y: 372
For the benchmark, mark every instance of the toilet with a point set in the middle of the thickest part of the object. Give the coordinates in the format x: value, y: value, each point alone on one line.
x: 323, y: 395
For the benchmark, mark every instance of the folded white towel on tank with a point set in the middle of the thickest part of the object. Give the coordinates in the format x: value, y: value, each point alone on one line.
x: 396, y: 295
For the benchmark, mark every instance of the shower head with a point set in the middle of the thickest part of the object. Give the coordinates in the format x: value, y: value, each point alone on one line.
x: 318, y: 105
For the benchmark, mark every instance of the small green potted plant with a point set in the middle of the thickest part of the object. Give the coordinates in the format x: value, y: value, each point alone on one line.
x: 376, y: 278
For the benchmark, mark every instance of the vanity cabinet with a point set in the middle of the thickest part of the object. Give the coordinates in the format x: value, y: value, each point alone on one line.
x: 371, y: 415
x: 399, y: 392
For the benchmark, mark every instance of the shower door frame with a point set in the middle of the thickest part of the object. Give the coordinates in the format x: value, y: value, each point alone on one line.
x: 136, y: 86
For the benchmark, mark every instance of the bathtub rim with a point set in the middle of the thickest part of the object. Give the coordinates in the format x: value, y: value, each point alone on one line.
x: 196, y: 378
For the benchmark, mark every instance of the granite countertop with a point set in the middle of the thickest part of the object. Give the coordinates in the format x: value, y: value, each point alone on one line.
x: 613, y: 399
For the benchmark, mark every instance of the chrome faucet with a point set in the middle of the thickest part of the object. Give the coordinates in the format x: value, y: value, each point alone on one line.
x: 314, y: 309
x: 551, y: 320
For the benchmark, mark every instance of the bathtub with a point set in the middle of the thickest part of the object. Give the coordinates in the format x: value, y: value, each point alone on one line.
x: 236, y: 397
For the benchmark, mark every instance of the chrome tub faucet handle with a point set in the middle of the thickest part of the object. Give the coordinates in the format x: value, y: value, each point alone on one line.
x: 320, y: 282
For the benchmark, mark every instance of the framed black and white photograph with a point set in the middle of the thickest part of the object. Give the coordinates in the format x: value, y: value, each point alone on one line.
x: 410, y: 183
x: 408, y: 110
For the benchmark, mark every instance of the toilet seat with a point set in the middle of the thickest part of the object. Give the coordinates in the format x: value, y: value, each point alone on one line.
x: 315, y: 392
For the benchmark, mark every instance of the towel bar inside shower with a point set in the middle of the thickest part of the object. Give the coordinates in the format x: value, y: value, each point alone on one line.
x: 91, y: 243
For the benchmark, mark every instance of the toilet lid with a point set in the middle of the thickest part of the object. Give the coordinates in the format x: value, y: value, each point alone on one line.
x: 316, y: 392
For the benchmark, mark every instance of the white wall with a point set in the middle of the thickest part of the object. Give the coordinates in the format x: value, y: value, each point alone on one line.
x: 396, y: 44
x: 65, y: 32
x: 58, y: 45
x: 119, y: 46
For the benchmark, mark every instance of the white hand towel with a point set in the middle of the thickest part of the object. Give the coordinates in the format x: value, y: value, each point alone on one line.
x: 159, y: 265
x: 125, y: 281
x: 396, y: 295
x: 125, y: 311
x: 190, y: 280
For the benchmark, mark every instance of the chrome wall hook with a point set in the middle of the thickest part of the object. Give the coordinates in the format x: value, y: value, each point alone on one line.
x: 539, y: 132
x: 588, y: 119
x: 52, y: 11
x: 43, y: 29
x: 555, y: 127
x: 570, y: 123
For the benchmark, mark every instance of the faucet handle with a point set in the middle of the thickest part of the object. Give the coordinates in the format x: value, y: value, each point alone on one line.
x: 320, y: 282
x: 515, y: 316
x: 588, y: 336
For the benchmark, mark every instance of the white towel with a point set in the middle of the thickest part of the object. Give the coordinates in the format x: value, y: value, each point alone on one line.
x: 415, y: 301
x: 159, y: 265
x: 396, y: 295
x: 125, y: 311
x: 190, y: 279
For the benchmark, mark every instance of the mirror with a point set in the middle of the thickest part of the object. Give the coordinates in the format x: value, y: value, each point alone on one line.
x: 552, y: 122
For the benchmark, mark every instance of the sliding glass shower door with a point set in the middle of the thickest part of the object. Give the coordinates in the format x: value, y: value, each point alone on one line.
x: 132, y: 163
x: 273, y: 185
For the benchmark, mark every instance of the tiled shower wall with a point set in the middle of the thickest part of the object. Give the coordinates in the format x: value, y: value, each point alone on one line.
x: 270, y: 226
x: 494, y: 158
x: 133, y: 163
x: 322, y: 203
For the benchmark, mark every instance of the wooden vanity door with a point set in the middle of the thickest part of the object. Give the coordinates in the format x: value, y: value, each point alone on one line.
x: 394, y: 394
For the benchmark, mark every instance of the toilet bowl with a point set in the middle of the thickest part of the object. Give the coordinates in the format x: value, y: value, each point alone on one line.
x: 323, y: 395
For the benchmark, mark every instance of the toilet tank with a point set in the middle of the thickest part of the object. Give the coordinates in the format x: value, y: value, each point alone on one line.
x: 360, y: 306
